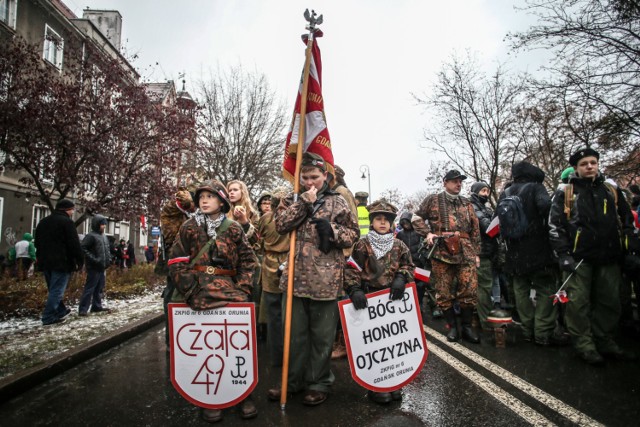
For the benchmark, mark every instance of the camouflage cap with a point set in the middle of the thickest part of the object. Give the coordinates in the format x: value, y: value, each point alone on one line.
x: 382, y: 207
x: 314, y: 160
x: 339, y: 171
x: 214, y: 186
x: 362, y: 195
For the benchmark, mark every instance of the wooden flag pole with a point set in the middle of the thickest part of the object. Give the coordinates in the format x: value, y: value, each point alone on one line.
x: 296, y: 189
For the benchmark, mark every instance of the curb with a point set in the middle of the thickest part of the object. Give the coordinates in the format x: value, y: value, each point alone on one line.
x: 24, y: 380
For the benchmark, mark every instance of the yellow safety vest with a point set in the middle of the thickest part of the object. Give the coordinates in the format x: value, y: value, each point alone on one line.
x: 363, y: 220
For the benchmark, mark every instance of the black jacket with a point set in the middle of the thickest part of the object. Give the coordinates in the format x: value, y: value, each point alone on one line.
x: 533, y: 251
x: 594, y: 232
x: 95, y: 246
x: 57, y: 244
x: 488, y: 245
x: 410, y: 237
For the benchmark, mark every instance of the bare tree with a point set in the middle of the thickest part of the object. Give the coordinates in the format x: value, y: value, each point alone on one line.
x: 240, y: 129
x: 596, y: 63
x: 474, y: 115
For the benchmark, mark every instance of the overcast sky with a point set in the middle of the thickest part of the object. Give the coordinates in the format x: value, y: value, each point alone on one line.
x: 375, y: 53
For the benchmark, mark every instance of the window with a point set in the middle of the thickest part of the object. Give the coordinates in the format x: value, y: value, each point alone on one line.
x: 53, y: 47
x: 8, y: 12
x: 39, y: 212
x: 124, y: 230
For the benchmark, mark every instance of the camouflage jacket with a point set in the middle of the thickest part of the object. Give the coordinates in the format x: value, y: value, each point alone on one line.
x: 201, y: 289
x: 351, y: 201
x: 275, y: 247
x: 318, y: 276
x: 442, y: 215
x: 397, y: 260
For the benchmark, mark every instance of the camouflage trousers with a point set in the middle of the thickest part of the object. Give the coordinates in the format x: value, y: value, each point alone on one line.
x: 454, y: 282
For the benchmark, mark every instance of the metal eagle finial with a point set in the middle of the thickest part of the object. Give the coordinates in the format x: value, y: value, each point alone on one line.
x: 312, y: 19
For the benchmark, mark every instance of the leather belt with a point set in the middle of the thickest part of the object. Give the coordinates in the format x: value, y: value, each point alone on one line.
x: 214, y: 271
x: 451, y: 233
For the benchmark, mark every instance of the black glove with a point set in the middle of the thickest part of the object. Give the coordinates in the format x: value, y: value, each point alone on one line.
x: 325, y: 233
x: 567, y: 263
x: 397, y: 287
x: 358, y: 298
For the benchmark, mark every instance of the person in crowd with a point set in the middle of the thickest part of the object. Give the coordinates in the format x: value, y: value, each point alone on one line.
x: 340, y: 186
x: 414, y: 241
x: 453, y: 226
x: 242, y: 209
x: 590, y: 229
x: 175, y: 212
x: 275, y: 247
x: 150, y: 254
x: 228, y: 250
x: 95, y: 246
x: 325, y: 226
x: 121, y: 254
x: 383, y: 263
x: 362, y: 198
x: 25, y: 255
x: 530, y: 260
x: 245, y: 214
x: 59, y: 254
x: 488, y: 294
x: 131, y: 255
x: 264, y: 207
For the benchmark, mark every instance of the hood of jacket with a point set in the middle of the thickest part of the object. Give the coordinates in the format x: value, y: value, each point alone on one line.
x: 526, y: 172
x: 96, y: 221
x: 27, y: 236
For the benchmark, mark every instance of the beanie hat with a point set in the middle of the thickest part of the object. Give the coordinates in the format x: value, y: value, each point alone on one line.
x: 477, y: 186
x: 64, y: 205
x: 564, y: 177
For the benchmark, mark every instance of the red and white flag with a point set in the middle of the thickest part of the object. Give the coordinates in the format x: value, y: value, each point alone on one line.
x: 353, y: 264
x: 494, y: 227
x: 422, y: 274
x: 560, y: 297
x: 317, y: 138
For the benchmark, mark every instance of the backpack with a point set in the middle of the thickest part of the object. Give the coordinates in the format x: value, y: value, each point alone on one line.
x: 513, y: 219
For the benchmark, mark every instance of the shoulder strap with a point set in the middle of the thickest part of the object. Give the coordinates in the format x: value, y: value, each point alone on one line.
x: 221, y: 229
x: 568, y: 199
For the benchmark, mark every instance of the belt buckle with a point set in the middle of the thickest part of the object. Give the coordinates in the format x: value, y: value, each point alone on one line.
x: 211, y: 270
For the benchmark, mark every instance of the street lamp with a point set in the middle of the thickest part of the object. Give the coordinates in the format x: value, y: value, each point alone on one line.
x: 366, y: 174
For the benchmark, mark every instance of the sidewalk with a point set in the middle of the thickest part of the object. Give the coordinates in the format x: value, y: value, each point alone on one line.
x: 31, y: 353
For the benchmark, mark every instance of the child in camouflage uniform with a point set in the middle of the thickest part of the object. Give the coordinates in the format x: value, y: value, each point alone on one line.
x: 325, y: 226
x: 222, y: 273
x: 384, y: 262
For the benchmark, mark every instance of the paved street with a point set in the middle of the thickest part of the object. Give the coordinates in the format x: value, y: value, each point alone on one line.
x: 461, y: 384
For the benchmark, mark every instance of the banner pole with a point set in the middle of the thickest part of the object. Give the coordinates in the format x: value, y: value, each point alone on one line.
x: 293, y: 234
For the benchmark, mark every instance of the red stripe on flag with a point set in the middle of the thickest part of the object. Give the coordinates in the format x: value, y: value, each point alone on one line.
x: 422, y: 274
x: 494, y: 227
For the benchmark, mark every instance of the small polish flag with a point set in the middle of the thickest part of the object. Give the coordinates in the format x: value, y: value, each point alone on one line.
x: 353, y: 264
x: 560, y: 297
x: 494, y: 227
x: 422, y: 274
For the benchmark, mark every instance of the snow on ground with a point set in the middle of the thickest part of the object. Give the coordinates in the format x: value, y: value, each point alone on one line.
x: 25, y: 342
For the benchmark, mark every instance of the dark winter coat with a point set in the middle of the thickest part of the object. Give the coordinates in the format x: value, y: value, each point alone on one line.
x: 57, y: 244
x: 533, y: 251
x: 595, y: 230
x: 95, y: 246
x: 488, y: 245
x: 410, y: 237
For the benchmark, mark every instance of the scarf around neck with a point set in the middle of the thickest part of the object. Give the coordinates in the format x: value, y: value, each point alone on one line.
x: 380, y: 243
x: 211, y: 224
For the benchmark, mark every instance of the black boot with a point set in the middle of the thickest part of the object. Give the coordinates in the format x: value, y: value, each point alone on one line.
x: 468, y: 333
x: 450, y: 316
